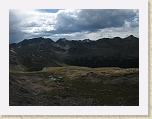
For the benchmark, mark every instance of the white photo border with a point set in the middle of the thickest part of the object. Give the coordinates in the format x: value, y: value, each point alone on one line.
x: 142, y: 109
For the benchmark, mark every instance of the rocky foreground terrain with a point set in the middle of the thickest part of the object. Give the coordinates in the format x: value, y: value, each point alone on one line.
x: 75, y: 86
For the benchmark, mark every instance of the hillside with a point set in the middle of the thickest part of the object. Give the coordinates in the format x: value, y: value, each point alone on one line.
x: 44, y: 52
x: 75, y: 86
x: 104, y: 72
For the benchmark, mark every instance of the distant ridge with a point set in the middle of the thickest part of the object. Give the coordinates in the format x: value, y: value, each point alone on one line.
x: 104, y: 52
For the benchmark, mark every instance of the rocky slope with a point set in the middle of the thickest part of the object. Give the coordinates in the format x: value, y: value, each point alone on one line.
x: 99, y: 74
x: 44, y: 52
x: 75, y: 86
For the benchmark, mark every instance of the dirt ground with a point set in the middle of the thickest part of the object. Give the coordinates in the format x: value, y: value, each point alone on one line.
x: 75, y: 86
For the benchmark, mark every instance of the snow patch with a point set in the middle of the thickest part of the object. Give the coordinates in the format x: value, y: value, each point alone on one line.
x: 12, y: 51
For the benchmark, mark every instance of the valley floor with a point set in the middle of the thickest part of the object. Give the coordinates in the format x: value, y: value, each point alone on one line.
x: 75, y: 86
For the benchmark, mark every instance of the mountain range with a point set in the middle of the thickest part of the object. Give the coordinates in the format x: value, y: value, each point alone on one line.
x: 44, y: 52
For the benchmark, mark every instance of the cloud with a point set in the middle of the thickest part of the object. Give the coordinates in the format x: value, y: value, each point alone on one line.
x: 91, y: 20
x: 24, y: 24
x: 73, y: 24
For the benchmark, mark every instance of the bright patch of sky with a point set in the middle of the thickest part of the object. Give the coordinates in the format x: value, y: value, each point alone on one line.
x: 48, y: 10
x: 72, y: 24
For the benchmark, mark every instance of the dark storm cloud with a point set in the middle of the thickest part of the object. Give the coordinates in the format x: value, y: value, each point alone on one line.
x: 92, y: 20
x: 14, y: 33
x: 16, y: 18
x: 25, y: 24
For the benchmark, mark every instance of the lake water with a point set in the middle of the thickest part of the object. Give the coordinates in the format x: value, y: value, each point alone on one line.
x: 52, y: 78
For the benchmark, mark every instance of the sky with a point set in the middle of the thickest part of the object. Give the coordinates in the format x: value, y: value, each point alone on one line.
x: 72, y: 24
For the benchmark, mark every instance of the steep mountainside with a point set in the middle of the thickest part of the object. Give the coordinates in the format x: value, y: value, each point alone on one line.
x: 44, y: 52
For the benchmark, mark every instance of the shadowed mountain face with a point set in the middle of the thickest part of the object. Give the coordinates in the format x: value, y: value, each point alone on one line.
x: 44, y: 52
x: 62, y: 75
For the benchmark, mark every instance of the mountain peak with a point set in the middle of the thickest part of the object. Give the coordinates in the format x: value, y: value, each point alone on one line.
x: 86, y: 40
x: 33, y: 41
x: 131, y: 37
x: 117, y: 37
x: 62, y: 40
